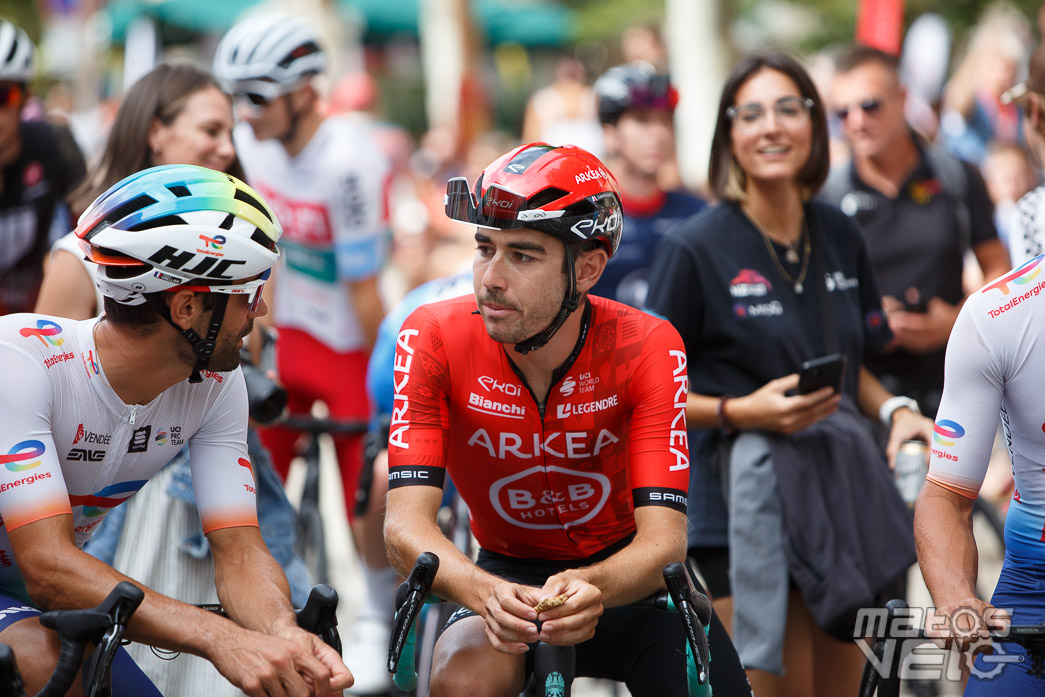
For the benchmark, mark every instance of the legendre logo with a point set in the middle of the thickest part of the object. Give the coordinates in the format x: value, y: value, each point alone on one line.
x: 565, y: 410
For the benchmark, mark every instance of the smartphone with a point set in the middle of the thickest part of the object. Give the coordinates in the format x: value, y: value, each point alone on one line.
x: 827, y: 371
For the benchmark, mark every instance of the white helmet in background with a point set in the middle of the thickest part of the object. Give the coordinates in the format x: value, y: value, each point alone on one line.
x: 16, y: 54
x: 268, y: 55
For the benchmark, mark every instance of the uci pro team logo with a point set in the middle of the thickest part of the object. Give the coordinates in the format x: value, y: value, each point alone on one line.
x: 945, y: 432
x: 16, y: 457
x: 1020, y: 276
x: 45, y: 330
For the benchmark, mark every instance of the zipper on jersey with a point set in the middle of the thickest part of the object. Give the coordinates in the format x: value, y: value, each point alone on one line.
x: 134, y: 411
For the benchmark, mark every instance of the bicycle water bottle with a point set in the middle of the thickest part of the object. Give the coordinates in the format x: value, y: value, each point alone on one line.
x: 911, y: 467
x: 553, y: 669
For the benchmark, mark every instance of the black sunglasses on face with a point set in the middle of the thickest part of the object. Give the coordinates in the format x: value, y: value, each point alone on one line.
x: 868, y: 106
x: 255, y: 99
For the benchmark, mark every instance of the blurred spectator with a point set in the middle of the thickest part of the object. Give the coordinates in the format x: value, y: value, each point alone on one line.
x: 1009, y: 174
x: 636, y: 108
x: 1027, y: 222
x: 920, y: 209
x: 40, y: 165
x: 643, y: 42
x: 563, y: 113
x: 923, y: 70
x: 326, y: 180
x: 973, y: 113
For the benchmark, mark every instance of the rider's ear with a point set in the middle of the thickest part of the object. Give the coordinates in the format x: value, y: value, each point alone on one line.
x: 185, y: 307
x: 590, y: 266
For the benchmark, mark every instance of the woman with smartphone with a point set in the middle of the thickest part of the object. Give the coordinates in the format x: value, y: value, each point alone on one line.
x: 758, y: 285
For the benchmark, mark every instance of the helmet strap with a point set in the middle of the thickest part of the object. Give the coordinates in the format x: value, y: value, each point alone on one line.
x: 295, y: 120
x: 202, y: 347
x: 569, y: 303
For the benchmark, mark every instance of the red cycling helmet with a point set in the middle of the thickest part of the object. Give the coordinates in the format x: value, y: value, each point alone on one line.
x: 564, y: 191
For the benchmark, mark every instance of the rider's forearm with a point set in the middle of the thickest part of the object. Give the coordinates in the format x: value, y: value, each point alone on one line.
x: 407, y: 534
x: 250, y: 584
x: 636, y: 571
x: 60, y: 576
x: 947, y: 551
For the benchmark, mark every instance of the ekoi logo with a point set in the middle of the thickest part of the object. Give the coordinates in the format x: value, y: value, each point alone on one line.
x: 213, y: 242
x: 1021, y: 275
x: 945, y: 430
x: 108, y: 498
x: 15, y: 458
x: 44, y: 330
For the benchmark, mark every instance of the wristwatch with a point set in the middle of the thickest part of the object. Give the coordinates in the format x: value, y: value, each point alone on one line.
x: 889, y: 406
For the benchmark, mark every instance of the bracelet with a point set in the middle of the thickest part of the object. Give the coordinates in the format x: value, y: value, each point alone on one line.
x: 889, y: 407
x: 720, y: 413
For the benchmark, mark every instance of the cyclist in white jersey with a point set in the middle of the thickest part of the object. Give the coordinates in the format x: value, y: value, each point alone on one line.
x: 994, y: 366
x: 97, y: 407
x: 326, y: 179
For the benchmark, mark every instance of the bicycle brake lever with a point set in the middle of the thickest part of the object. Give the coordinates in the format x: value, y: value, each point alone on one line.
x: 319, y: 615
x: 695, y: 616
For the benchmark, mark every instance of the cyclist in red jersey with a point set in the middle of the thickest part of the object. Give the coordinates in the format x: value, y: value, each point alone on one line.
x: 561, y: 419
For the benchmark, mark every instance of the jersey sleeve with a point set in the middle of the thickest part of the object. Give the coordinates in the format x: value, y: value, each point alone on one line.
x: 658, y: 446
x: 967, y: 420
x: 418, y: 439
x: 359, y: 215
x: 32, y: 486
x: 222, y: 474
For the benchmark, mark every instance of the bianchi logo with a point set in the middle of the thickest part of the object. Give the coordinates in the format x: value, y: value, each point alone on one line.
x: 562, y: 411
x: 476, y: 402
x: 555, y: 685
x: 524, y: 499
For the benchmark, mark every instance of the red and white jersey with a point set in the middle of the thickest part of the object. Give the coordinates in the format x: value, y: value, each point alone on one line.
x: 68, y: 443
x: 561, y: 483
x: 331, y: 201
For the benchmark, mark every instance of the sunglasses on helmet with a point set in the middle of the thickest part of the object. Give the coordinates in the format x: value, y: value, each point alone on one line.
x: 500, y: 208
x: 252, y: 289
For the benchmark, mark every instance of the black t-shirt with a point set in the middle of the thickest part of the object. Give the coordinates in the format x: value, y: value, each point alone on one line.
x: 915, y: 241
x: 742, y: 323
x: 35, y: 187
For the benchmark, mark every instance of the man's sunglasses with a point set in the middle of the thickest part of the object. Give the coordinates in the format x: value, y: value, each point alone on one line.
x: 868, y: 106
x: 252, y: 289
x: 10, y: 95
x: 255, y: 99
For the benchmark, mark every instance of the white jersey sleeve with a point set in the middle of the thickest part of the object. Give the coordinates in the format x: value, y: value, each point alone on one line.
x: 993, y: 369
x: 31, y: 483
x: 222, y: 474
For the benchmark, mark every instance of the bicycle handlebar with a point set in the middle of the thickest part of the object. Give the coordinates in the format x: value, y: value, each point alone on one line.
x: 410, y: 598
x: 319, y: 615
x: 695, y: 611
x: 103, y: 625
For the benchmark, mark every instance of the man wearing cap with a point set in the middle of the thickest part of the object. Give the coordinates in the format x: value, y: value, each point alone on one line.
x: 40, y: 165
x: 920, y: 209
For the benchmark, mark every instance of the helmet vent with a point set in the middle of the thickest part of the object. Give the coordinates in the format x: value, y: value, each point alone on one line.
x: 305, y: 49
x: 227, y: 223
x: 546, y: 196
x: 179, y: 190
x: 165, y: 221
x: 122, y: 211
x: 263, y: 239
x: 242, y: 195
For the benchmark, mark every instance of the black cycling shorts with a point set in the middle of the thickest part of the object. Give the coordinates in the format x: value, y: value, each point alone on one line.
x: 643, y: 648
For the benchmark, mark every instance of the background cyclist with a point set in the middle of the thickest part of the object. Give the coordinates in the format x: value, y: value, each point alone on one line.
x: 93, y: 394
x: 555, y: 412
x: 325, y: 177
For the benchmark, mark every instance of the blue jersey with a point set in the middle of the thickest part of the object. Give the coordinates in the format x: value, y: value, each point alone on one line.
x: 380, y: 382
x: 626, y: 278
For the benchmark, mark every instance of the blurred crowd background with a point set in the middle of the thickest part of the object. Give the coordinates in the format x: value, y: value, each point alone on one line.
x: 450, y: 84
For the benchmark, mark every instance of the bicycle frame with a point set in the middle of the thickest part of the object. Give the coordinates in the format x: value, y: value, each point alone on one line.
x: 553, y: 665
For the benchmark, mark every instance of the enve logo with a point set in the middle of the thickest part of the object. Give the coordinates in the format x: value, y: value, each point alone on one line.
x: 44, y: 330
x: 946, y: 429
x: 26, y: 450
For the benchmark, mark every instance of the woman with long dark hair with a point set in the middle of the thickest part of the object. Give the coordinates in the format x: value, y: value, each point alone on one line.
x: 757, y: 285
